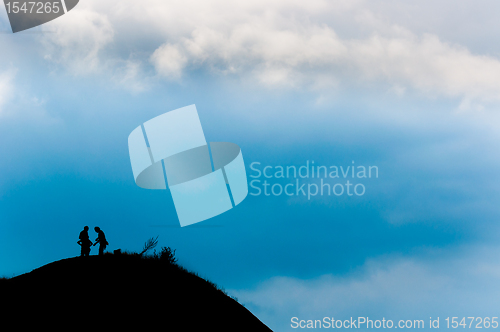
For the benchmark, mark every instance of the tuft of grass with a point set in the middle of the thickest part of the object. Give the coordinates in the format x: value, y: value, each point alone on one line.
x: 166, y: 256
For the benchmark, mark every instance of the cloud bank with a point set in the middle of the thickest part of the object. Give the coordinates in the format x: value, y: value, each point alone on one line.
x: 276, y: 43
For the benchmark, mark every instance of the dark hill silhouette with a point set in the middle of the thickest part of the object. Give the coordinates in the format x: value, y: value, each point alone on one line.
x: 119, y: 293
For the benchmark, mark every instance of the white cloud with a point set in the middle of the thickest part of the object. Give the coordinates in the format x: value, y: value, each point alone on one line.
x: 78, y: 39
x: 409, y: 288
x: 429, y: 65
x: 169, y: 61
x: 6, y: 88
x: 128, y: 74
x: 18, y: 104
x: 306, y: 54
x: 278, y: 43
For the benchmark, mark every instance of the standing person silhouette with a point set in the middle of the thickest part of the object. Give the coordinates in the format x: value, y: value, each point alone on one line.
x: 85, y: 242
x: 101, y: 239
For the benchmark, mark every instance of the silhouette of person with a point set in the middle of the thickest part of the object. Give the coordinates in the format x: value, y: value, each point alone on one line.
x: 101, y: 239
x: 85, y: 242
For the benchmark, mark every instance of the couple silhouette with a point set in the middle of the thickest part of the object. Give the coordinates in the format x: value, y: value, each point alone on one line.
x: 85, y: 242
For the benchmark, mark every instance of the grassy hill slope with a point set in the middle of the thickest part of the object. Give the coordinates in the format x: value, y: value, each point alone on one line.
x: 116, y: 292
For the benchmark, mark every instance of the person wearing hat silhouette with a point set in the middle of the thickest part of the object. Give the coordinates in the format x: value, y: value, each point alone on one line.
x: 85, y: 242
x: 101, y: 239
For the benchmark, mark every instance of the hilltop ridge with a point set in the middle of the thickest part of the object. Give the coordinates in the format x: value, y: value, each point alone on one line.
x: 120, y: 292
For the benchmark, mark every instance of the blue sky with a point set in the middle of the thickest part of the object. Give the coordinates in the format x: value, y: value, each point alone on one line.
x: 410, y: 88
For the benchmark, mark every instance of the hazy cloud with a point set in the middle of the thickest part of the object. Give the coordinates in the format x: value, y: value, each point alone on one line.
x: 169, y: 61
x: 78, y: 40
x: 394, y: 288
x: 6, y: 87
